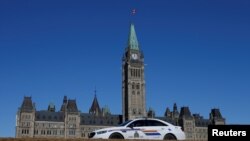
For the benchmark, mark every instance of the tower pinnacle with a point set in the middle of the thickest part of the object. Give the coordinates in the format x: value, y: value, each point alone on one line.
x: 132, y: 39
x: 95, y: 108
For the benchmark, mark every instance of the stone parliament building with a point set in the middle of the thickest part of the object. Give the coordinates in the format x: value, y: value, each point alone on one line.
x: 69, y: 122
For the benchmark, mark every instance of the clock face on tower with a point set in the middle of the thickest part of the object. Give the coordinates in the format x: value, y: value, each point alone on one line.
x: 134, y: 56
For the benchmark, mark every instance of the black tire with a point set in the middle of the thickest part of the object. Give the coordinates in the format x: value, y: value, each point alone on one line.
x: 169, y: 137
x: 116, y: 136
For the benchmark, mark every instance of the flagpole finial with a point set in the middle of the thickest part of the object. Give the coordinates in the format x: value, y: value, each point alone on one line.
x: 95, y: 91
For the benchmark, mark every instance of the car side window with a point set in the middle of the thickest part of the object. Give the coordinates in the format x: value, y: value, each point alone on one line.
x: 154, y: 123
x: 138, y: 123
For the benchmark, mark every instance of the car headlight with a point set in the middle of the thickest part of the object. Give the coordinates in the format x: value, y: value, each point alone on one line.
x: 102, y: 132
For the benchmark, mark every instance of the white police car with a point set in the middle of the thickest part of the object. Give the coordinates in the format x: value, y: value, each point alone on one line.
x: 142, y: 128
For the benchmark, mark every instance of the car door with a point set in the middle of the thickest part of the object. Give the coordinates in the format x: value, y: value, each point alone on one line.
x: 154, y: 129
x: 136, y: 130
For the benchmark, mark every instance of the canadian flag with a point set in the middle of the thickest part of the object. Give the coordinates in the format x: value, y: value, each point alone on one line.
x: 133, y: 11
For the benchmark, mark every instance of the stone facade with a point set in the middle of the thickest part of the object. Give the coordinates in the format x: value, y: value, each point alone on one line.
x: 194, y: 125
x: 69, y: 122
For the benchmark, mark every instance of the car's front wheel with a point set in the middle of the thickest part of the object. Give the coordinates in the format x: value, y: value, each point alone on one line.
x: 169, y: 137
x: 116, y: 136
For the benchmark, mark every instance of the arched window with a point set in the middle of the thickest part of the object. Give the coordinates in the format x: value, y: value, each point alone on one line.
x: 134, y: 111
x: 133, y: 92
x: 138, y: 86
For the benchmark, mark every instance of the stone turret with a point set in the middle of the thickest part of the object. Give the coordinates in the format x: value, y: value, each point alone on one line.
x: 167, y: 113
x: 175, y: 112
x: 187, y: 122
x: 63, y: 107
x: 151, y: 113
x: 25, y: 119
x: 216, y: 117
x: 185, y: 113
x: 106, y: 111
x: 51, y: 107
x: 72, y: 106
x: 95, y: 108
x: 27, y: 105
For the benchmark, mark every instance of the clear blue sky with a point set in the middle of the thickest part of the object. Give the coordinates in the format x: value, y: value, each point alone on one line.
x: 197, y: 54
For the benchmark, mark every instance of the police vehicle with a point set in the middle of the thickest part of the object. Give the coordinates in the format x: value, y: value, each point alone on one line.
x: 141, y: 128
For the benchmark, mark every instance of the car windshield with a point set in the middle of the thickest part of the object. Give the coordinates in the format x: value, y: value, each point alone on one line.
x: 125, y: 123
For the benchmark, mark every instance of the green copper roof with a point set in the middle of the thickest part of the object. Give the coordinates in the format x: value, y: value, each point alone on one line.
x: 132, y: 39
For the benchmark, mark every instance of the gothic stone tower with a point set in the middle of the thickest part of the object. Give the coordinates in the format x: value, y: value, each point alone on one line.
x: 133, y: 83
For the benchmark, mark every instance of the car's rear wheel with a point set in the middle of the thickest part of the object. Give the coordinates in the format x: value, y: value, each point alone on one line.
x: 169, y: 137
x: 116, y: 136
